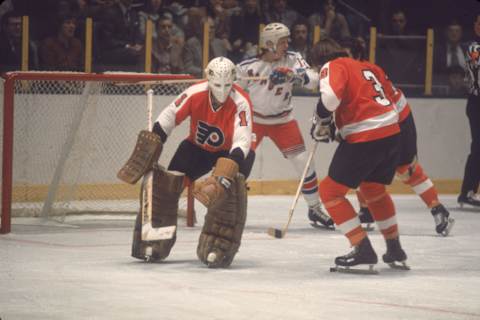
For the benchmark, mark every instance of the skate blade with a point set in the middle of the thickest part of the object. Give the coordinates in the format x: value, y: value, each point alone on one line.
x: 321, y: 226
x: 402, y: 265
x: 449, y: 227
x: 342, y: 269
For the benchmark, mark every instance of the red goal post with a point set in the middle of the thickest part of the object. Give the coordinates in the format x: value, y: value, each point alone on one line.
x: 65, y: 134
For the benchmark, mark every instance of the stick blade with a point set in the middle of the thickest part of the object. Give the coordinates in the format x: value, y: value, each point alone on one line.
x: 276, y: 233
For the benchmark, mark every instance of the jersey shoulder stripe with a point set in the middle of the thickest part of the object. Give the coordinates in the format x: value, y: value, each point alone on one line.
x: 248, y: 61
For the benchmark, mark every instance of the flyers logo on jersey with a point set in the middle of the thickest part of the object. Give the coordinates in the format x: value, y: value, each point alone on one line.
x: 209, y: 135
x: 324, y: 73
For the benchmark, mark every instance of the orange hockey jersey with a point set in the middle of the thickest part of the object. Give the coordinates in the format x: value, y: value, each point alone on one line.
x: 223, y: 129
x: 397, y: 96
x: 363, y: 110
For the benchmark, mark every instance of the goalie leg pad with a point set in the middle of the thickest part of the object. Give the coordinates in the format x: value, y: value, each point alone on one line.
x: 167, y: 187
x: 145, y: 155
x: 223, y: 227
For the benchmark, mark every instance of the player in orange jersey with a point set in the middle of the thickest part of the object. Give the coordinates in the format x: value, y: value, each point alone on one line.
x: 353, y: 100
x: 409, y: 170
x: 220, y: 136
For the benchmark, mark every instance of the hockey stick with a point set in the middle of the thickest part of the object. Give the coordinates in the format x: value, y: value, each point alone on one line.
x: 176, y: 81
x: 149, y: 233
x: 277, y: 233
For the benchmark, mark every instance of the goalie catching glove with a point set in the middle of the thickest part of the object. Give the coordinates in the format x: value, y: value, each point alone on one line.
x: 323, y: 129
x: 212, y: 189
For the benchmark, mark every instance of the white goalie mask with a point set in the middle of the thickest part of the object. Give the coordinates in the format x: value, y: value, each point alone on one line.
x: 221, y: 74
x: 271, y: 34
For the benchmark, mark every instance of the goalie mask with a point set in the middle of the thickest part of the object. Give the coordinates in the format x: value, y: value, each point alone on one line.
x: 220, y: 75
x: 271, y: 34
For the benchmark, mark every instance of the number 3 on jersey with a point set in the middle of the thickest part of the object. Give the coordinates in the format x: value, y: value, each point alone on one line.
x: 377, y: 86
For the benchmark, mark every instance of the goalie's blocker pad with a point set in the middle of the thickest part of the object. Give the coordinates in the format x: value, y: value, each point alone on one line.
x: 145, y: 155
x: 167, y: 188
x: 223, y: 228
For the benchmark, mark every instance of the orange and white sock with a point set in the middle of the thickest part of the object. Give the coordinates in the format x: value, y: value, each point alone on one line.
x: 414, y: 176
x: 381, y: 206
x: 340, y: 209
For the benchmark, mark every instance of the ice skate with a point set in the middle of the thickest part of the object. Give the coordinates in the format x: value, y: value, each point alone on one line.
x: 470, y: 200
x: 362, y: 254
x: 366, y: 219
x: 319, y: 219
x: 395, y: 257
x: 443, y: 223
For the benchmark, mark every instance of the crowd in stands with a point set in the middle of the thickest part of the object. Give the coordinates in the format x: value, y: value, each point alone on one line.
x: 57, y: 33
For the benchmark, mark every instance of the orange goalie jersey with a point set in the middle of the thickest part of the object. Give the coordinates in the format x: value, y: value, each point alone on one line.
x: 363, y: 110
x: 224, y: 129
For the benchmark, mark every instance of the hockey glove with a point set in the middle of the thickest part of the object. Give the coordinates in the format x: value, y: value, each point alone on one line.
x: 212, y: 189
x: 323, y: 129
x: 281, y: 75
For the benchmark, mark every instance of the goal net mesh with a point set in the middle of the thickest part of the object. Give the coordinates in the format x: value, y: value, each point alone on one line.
x: 70, y: 138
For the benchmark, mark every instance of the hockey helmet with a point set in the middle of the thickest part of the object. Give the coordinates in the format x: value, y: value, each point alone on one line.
x: 220, y: 74
x: 271, y: 34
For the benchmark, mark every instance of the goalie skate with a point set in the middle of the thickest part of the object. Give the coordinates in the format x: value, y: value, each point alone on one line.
x: 362, y: 255
x: 443, y: 222
x: 319, y: 219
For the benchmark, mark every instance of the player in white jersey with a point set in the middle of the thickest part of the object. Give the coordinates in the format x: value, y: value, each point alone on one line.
x: 272, y: 107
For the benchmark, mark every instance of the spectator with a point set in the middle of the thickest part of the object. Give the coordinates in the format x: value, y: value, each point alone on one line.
x: 11, y: 44
x: 232, y: 7
x: 449, y: 52
x: 5, y: 7
x: 245, y: 28
x: 120, y: 40
x: 332, y: 23
x: 153, y: 10
x: 299, y: 42
x: 408, y: 55
x: 63, y: 51
x: 166, y: 52
x: 220, y: 18
x: 456, y: 82
x: 280, y: 12
x: 193, y: 52
x: 398, y: 26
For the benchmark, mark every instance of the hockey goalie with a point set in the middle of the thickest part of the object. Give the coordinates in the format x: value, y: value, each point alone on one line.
x: 219, y: 139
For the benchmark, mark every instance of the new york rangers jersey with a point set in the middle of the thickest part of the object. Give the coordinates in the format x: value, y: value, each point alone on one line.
x: 272, y: 104
x: 224, y: 129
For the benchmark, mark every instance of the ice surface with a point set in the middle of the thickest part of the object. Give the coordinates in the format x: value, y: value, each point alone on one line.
x: 83, y: 270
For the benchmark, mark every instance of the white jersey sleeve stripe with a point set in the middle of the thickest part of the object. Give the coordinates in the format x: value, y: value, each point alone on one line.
x: 328, y: 96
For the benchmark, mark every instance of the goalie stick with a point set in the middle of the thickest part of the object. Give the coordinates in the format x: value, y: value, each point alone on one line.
x: 280, y: 233
x: 149, y: 233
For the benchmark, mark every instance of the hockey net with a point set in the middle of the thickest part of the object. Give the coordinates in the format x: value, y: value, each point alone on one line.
x: 65, y: 135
